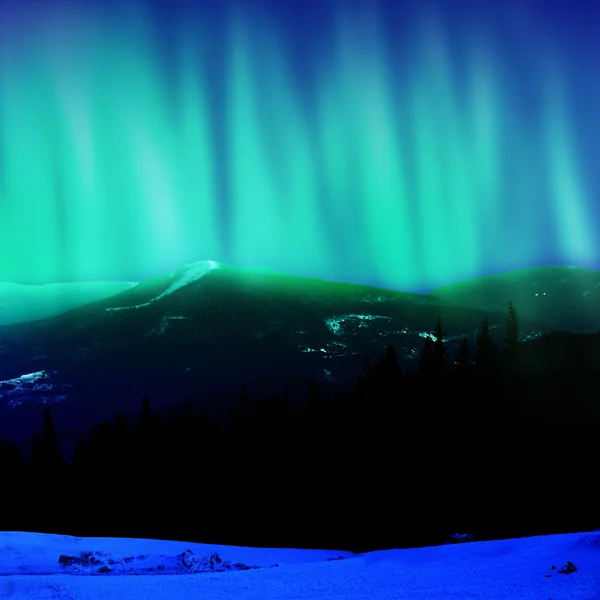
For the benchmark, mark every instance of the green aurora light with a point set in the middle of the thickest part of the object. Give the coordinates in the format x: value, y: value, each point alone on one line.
x: 404, y: 165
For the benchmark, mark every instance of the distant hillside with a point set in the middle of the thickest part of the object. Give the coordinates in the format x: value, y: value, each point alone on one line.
x: 565, y: 298
x: 21, y: 303
x: 208, y: 328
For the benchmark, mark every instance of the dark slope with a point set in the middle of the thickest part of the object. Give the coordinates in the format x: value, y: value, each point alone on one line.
x: 565, y: 298
x: 226, y: 329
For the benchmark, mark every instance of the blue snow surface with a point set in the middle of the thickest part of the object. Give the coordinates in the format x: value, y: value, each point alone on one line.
x: 109, y: 568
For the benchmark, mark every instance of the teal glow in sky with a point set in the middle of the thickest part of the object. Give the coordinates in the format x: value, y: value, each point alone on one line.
x: 405, y: 145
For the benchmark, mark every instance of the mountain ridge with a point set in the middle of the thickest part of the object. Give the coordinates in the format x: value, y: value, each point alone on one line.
x: 564, y: 297
x: 207, y: 328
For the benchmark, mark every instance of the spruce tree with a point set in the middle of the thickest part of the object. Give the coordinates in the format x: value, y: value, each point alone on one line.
x: 385, y: 374
x: 512, y: 328
x: 391, y: 358
x: 486, y: 349
x: 464, y: 359
x: 46, y: 456
x: 439, y: 348
x: 46, y: 472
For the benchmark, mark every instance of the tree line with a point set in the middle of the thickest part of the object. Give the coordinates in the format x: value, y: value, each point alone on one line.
x: 470, y: 444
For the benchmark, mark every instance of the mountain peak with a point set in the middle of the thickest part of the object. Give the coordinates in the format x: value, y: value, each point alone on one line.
x: 176, y: 280
x: 188, y: 274
x: 200, y: 267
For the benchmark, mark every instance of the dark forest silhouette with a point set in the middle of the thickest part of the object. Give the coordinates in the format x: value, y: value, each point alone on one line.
x: 479, y: 444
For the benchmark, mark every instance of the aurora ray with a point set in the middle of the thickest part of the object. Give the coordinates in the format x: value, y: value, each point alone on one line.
x: 390, y: 146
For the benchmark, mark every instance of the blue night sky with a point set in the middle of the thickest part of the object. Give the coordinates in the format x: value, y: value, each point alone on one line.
x: 400, y: 144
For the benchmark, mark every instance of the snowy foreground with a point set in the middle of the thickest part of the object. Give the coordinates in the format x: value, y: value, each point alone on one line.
x: 102, y: 568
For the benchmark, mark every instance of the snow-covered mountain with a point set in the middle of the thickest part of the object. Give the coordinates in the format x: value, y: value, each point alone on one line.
x: 207, y: 329
x: 36, y: 386
x: 40, y: 567
x: 176, y: 280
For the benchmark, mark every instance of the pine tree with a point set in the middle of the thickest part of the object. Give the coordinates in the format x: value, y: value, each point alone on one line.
x: 391, y: 358
x: 486, y: 349
x: 439, y: 348
x: 386, y: 372
x: 464, y: 359
x: 512, y: 328
x: 46, y: 455
x: 47, y: 472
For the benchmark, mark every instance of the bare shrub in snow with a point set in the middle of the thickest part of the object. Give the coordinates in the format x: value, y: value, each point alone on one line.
x: 189, y: 559
x: 568, y: 568
x: 100, y: 563
x: 85, y: 559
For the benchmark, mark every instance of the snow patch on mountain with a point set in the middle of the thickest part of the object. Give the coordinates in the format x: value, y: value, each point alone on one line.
x: 31, y: 386
x: 182, y: 277
x: 30, y: 378
x: 336, y: 324
x: 189, y: 274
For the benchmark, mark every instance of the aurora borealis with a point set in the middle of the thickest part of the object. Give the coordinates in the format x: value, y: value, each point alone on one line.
x: 400, y: 144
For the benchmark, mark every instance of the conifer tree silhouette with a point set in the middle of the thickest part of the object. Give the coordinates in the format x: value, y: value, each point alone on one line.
x: 486, y: 349
x: 440, y: 358
x: 512, y: 328
x: 464, y: 358
x: 46, y: 458
x: 46, y: 471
